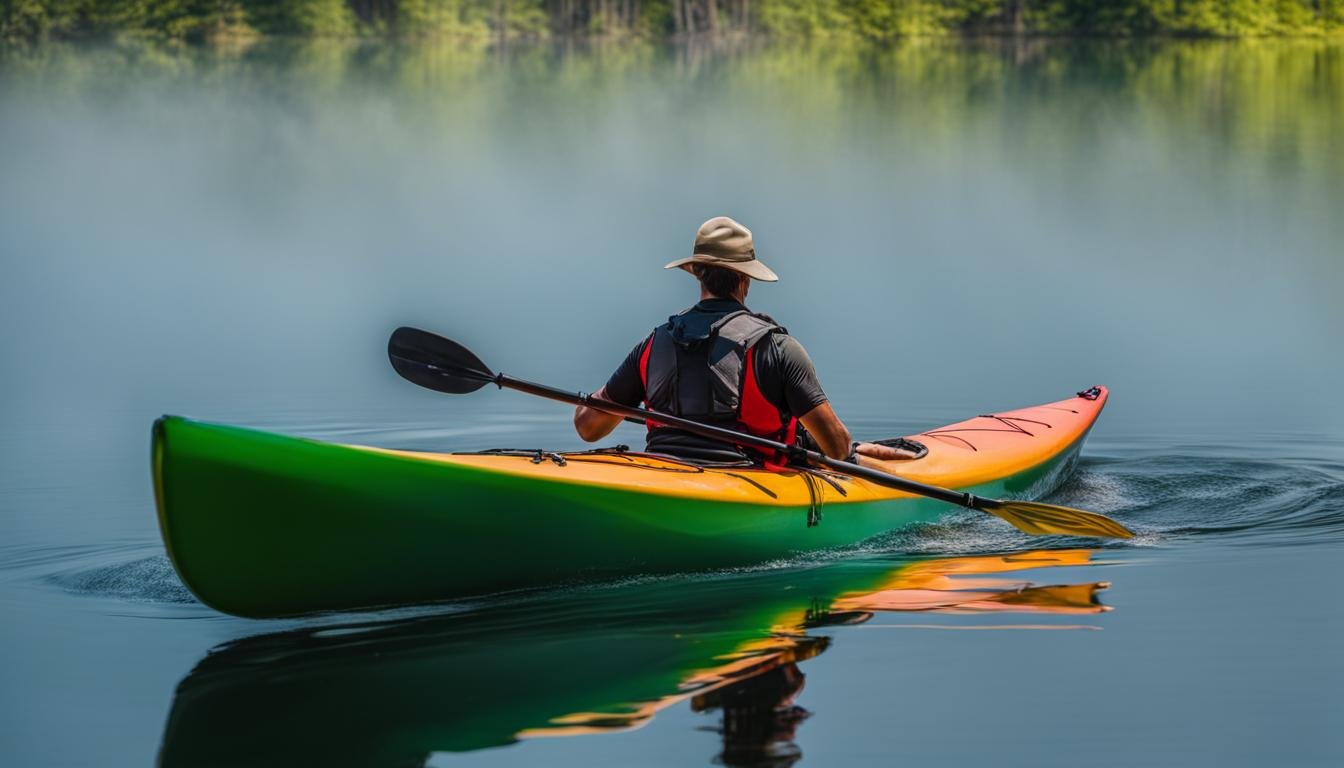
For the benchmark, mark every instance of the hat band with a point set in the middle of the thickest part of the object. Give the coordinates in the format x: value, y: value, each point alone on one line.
x: 723, y: 252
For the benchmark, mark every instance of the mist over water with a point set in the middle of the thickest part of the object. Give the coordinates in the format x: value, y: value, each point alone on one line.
x: 955, y: 226
x: 959, y: 228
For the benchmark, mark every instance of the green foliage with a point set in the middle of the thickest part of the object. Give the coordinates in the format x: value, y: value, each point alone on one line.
x: 186, y: 19
x: 872, y: 20
x: 436, y: 18
x: 655, y: 18
x: 804, y: 18
x: 520, y: 18
x: 32, y: 19
x: 315, y: 18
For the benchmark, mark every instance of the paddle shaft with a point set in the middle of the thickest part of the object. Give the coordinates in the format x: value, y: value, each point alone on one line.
x: 958, y: 498
x: 445, y: 366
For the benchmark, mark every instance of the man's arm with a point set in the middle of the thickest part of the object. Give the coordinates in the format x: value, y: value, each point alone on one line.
x: 831, y: 434
x: 626, y: 386
x: 788, y: 378
x: 802, y: 393
x: 592, y: 424
x: 833, y: 438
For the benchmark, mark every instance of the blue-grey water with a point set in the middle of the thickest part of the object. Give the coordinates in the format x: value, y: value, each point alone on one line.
x: 959, y: 228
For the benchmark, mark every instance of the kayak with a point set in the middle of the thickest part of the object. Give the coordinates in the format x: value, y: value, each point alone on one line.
x: 266, y: 525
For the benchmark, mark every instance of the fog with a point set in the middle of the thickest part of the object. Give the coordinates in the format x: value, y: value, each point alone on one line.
x: 234, y: 237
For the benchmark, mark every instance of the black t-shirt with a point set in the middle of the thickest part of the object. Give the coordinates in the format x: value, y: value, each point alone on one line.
x: 784, y: 372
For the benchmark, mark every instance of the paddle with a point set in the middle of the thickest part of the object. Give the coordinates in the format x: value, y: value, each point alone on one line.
x: 444, y: 365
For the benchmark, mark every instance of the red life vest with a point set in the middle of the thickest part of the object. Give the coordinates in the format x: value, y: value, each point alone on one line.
x: 713, y: 380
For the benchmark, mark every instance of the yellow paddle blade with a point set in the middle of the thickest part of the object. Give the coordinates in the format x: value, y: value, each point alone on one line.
x: 1043, y: 519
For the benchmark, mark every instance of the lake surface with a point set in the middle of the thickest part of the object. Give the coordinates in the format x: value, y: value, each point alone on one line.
x: 959, y: 228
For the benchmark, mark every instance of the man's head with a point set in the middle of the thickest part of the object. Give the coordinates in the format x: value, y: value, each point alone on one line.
x: 721, y: 282
x: 724, y: 259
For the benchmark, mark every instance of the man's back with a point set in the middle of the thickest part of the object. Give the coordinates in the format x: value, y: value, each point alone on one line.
x: 719, y: 363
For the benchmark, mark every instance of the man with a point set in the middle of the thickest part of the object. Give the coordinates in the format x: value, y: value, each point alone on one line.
x: 720, y: 363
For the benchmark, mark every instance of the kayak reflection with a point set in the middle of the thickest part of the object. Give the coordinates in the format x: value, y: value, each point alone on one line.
x: 592, y: 660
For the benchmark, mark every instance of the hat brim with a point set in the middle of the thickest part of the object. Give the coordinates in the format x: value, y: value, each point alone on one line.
x: 753, y: 269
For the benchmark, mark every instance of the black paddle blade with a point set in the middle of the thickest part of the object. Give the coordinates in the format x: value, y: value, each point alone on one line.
x: 436, y: 363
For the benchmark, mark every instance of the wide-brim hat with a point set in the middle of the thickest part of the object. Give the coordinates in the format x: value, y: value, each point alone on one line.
x: 722, y: 242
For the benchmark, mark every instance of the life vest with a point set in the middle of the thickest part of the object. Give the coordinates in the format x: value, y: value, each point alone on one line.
x: 712, y: 379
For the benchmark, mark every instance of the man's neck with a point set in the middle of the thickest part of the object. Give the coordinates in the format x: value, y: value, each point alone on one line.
x: 707, y: 296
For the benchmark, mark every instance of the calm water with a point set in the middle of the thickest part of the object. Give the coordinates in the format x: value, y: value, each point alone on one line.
x: 959, y: 228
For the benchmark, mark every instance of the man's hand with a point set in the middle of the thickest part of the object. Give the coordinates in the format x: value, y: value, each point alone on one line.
x: 885, y: 452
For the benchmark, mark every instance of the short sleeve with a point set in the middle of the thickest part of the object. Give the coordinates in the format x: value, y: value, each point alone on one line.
x: 626, y: 386
x: 788, y: 378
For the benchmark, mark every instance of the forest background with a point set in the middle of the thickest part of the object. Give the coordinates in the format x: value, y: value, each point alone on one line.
x: 861, y: 20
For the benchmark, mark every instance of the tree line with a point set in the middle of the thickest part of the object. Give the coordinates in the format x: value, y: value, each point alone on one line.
x: 874, y: 20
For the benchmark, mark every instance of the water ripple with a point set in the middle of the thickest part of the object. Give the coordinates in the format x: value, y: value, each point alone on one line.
x: 1237, y: 500
x: 147, y: 579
